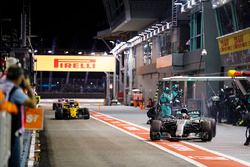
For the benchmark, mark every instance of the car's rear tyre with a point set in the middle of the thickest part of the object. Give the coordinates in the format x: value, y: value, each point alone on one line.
x: 155, y: 130
x: 86, y: 114
x: 207, y: 130
x: 54, y: 106
x: 66, y: 115
x: 59, y: 114
x: 83, y: 113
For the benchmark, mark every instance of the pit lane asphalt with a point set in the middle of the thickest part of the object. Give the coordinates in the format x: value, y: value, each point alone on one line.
x: 90, y: 143
x: 229, y: 139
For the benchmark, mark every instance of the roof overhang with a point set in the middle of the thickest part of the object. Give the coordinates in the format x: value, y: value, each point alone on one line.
x: 109, y: 35
x: 202, y: 78
x: 133, y: 24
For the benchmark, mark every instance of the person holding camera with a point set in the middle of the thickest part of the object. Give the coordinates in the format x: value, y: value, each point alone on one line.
x: 11, y: 86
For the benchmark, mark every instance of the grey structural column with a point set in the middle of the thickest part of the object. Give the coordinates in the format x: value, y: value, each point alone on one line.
x: 130, y: 73
x: 212, y: 59
x: 114, y: 78
x: 120, y: 73
x: 107, y: 88
x: 125, y: 79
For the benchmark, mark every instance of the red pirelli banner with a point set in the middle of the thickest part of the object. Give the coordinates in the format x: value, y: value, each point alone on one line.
x: 74, y: 63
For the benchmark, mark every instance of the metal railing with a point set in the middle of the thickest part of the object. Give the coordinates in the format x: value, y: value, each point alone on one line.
x: 26, y: 140
x: 5, y: 138
x: 5, y: 141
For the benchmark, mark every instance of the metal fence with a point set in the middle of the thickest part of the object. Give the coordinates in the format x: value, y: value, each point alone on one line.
x: 26, y: 141
x: 74, y: 85
x: 5, y: 131
x: 74, y: 88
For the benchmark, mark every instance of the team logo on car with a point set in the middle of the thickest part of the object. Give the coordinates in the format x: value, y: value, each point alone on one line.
x: 75, y: 63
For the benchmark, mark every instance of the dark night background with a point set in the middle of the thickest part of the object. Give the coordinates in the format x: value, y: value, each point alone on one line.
x: 67, y: 24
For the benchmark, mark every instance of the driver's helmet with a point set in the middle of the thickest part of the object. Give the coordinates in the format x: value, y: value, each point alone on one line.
x: 166, y: 90
x: 175, y: 86
x: 184, y: 110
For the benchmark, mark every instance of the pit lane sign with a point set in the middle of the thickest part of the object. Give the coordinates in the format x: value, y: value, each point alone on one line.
x: 33, y: 119
x: 74, y: 63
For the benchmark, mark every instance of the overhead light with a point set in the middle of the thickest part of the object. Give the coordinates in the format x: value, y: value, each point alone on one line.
x: 203, y: 52
x: 182, y: 9
x: 49, y: 51
x: 150, y: 29
x: 196, y: 2
x: 110, y: 86
x: 113, y: 43
x: 155, y: 27
x: 66, y: 52
x: 79, y: 53
x: 189, y: 5
x: 177, y: 4
x: 168, y: 25
x: 193, y: 2
x: 158, y: 24
x: 93, y: 53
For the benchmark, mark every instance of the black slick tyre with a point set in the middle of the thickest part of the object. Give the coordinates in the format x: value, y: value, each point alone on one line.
x: 207, y: 130
x: 86, y: 114
x: 155, y: 130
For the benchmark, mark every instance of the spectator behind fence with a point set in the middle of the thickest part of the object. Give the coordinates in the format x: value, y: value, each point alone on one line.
x: 15, y: 94
x: 9, y: 62
x: 150, y: 103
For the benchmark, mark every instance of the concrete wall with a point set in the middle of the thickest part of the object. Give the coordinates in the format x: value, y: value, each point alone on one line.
x: 213, y: 59
x: 155, y: 49
x: 146, y: 79
x: 148, y: 85
x: 139, y: 55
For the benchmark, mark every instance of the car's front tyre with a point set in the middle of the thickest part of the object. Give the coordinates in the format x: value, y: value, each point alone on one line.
x: 207, y: 130
x: 155, y: 130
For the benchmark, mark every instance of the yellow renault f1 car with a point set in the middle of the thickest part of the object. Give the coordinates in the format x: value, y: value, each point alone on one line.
x: 69, y: 109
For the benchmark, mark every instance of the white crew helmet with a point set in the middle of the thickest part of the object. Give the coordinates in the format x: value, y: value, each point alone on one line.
x: 12, y: 61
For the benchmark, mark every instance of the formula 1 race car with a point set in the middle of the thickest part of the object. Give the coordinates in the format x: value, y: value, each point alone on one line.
x: 68, y: 109
x: 183, y: 124
x: 59, y: 103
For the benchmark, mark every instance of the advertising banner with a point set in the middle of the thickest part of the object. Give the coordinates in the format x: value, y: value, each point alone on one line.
x: 234, y: 42
x: 72, y: 63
